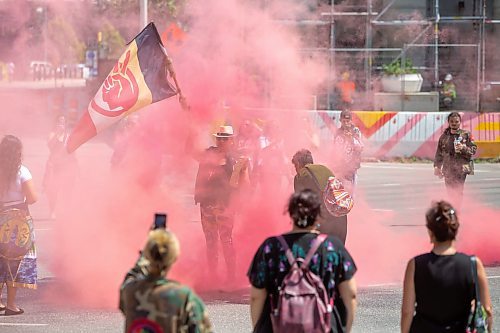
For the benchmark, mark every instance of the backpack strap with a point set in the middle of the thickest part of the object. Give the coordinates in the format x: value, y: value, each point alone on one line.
x: 314, y: 247
x: 315, y: 179
x: 288, y: 251
x: 474, y: 277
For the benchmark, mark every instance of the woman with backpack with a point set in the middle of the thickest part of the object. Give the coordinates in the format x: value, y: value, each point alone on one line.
x: 321, y: 278
x: 439, y: 286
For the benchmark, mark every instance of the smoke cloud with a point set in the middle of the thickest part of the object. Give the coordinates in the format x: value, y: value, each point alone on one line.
x: 235, y: 61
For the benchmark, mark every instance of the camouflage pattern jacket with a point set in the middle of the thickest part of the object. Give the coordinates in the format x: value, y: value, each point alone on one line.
x: 156, y: 304
x: 451, y: 162
x: 348, y: 148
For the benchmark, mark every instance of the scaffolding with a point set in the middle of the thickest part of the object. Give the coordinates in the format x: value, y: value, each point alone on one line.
x: 430, y: 25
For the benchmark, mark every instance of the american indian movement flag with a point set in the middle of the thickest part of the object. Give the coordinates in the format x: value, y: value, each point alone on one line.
x: 139, y: 78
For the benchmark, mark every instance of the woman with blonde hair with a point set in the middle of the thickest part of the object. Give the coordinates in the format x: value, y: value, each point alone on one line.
x: 439, y: 286
x: 17, y: 191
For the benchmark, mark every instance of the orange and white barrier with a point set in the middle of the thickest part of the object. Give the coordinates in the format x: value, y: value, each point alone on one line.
x: 405, y: 134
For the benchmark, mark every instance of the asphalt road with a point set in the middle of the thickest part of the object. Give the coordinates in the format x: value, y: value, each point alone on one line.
x: 398, y: 192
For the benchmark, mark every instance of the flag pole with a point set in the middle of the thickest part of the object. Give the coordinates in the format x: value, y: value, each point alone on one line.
x: 171, y: 72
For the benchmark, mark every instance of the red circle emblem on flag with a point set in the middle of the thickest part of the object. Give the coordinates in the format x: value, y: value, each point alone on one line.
x: 119, y: 92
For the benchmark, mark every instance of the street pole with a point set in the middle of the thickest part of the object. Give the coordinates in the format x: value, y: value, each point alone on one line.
x: 43, y: 12
x: 143, y: 19
x: 45, y: 34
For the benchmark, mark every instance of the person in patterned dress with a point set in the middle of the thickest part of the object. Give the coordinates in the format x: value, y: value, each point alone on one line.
x: 332, y: 263
x: 18, y: 267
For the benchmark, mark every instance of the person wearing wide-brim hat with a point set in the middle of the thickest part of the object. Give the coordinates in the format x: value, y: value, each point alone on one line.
x: 219, y: 175
x: 224, y: 131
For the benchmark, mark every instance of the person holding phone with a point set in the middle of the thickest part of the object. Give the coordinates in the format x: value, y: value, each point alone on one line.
x: 453, y: 160
x: 149, y: 300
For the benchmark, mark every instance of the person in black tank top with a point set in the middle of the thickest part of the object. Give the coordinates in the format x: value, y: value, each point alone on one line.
x: 438, y: 286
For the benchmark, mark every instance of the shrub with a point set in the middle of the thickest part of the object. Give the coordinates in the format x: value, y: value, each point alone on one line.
x: 396, y: 68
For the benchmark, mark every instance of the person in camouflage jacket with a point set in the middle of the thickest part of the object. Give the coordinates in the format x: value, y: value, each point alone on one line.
x: 347, y: 149
x: 453, y: 159
x: 153, y: 303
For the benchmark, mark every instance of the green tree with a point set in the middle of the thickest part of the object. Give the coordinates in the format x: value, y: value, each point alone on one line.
x: 65, y: 47
x: 112, y: 41
x: 156, y: 8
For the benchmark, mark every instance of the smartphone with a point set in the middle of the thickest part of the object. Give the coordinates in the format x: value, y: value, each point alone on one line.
x: 160, y: 221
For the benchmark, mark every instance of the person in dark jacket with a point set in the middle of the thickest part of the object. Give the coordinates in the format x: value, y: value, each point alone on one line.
x: 153, y: 303
x: 315, y: 177
x: 220, y: 173
x: 438, y: 286
x: 453, y: 159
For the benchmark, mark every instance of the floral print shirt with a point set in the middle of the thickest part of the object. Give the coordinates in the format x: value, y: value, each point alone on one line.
x: 332, y: 263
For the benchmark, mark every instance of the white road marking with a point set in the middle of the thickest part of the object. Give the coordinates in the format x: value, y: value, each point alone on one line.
x: 416, y: 167
x: 423, y: 167
x: 392, y: 284
x: 22, y: 324
x: 390, y: 184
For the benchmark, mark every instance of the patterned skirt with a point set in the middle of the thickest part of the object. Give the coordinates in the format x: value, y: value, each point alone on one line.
x: 17, y: 249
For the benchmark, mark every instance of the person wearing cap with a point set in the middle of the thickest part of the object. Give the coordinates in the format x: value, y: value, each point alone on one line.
x: 449, y: 91
x: 348, y: 147
x: 220, y: 174
x: 153, y: 303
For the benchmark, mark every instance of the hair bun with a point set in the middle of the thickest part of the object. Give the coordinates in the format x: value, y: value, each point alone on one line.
x: 442, y: 220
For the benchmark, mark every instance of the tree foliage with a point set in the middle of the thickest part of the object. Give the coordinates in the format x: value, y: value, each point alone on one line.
x: 65, y: 45
x: 396, y: 67
x: 156, y: 8
x: 112, y: 41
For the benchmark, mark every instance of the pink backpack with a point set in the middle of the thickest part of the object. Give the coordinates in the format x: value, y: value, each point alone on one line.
x: 302, y: 304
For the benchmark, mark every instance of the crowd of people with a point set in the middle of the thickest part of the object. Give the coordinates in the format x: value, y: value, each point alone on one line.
x: 438, y: 286
x: 438, y: 292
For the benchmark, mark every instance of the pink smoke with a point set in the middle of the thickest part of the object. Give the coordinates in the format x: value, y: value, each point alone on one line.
x: 235, y: 60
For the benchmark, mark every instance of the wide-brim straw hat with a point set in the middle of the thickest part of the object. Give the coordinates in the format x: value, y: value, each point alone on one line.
x: 225, y: 131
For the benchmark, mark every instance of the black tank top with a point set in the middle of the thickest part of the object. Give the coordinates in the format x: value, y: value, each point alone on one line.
x: 444, y: 290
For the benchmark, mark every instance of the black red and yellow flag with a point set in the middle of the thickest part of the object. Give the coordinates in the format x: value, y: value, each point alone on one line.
x: 139, y: 78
